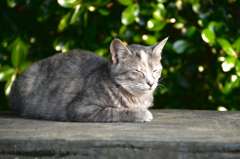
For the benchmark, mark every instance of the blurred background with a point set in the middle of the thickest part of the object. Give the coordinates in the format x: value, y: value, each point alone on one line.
x: 201, y: 64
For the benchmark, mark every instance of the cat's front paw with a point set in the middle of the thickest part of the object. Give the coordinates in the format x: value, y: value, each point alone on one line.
x: 143, y: 115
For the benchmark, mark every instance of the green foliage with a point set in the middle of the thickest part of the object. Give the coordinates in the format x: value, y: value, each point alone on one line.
x: 201, y: 64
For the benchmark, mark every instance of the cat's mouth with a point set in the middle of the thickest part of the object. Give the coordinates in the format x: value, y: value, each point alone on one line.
x: 151, y: 88
x: 148, y: 89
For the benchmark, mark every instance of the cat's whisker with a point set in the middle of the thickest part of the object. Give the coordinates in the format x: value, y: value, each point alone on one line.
x: 161, y: 79
x: 160, y: 86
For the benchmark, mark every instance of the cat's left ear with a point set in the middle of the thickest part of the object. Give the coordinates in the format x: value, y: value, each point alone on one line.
x: 157, y: 48
x: 118, y: 51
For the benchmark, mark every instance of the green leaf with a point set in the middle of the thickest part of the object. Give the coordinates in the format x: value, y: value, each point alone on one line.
x: 104, y: 2
x: 90, y: 2
x: 235, y: 84
x: 179, y: 46
x: 162, y: 1
x: 237, y: 67
x: 193, y: 33
x: 220, y: 28
x: 158, y: 14
x: 9, y: 84
x: 196, y: 7
x: 17, y: 56
x: 229, y: 63
x: 155, y: 25
x: 65, y: 47
x: 103, y: 11
x: 163, y: 90
x: 85, y: 17
x: 208, y: 36
x: 125, y: 2
x: 193, y: 1
x: 129, y: 14
x: 212, y: 25
x: 76, y: 14
x: 68, y: 3
x: 149, y: 39
x: 229, y: 86
x: 64, y: 21
x: 237, y: 44
x: 227, y: 47
x: 6, y: 72
x: 18, y: 52
x: 101, y: 51
x: 24, y: 66
x: 11, y: 3
x: 137, y: 38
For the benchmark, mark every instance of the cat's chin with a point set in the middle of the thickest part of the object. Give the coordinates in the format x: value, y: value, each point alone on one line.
x: 142, y: 92
x: 148, y: 91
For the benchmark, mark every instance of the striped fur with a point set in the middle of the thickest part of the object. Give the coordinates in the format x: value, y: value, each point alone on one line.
x: 81, y: 86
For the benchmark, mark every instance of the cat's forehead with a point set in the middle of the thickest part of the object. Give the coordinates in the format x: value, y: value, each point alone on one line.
x: 143, y: 56
x: 137, y: 49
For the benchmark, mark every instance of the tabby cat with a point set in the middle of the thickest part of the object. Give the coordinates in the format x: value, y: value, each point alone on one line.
x: 81, y: 86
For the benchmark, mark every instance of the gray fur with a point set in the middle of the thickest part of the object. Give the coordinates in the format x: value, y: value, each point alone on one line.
x: 81, y: 86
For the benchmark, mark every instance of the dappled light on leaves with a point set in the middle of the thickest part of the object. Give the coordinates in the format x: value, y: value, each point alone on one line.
x: 9, y: 84
x: 208, y: 36
x: 228, y: 64
x: 200, y: 68
x: 221, y: 108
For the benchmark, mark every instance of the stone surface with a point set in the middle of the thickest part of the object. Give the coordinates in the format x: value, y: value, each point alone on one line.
x: 171, y: 134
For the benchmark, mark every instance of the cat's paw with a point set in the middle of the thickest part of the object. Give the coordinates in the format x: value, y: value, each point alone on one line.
x: 143, y: 115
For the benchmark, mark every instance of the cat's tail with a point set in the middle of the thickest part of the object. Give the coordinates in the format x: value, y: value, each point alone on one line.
x: 15, y: 101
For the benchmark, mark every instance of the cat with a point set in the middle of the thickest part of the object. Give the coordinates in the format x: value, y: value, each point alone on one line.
x: 81, y: 86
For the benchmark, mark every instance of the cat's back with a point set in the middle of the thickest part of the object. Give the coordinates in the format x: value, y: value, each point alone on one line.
x: 53, y: 81
x: 62, y: 66
x: 75, y: 60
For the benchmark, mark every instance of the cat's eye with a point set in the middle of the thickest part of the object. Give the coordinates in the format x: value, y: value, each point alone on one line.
x: 140, y: 72
x: 155, y: 73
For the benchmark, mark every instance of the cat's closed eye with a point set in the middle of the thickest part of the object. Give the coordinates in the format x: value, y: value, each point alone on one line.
x: 140, y: 72
x: 156, y: 72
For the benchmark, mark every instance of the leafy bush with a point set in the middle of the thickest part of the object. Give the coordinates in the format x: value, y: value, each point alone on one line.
x: 200, y: 60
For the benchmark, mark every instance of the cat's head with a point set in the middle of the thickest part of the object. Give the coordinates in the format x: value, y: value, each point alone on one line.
x: 135, y: 67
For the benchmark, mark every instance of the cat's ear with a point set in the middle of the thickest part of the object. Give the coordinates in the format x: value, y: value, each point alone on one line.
x: 157, y: 48
x: 118, y: 51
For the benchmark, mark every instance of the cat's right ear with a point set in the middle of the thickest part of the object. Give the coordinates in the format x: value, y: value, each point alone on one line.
x: 157, y: 48
x: 118, y: 51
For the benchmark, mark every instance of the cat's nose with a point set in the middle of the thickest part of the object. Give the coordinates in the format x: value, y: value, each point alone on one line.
x: 150, y: 83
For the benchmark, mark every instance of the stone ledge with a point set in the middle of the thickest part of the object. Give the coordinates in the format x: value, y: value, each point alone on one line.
x: 171, y: 134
